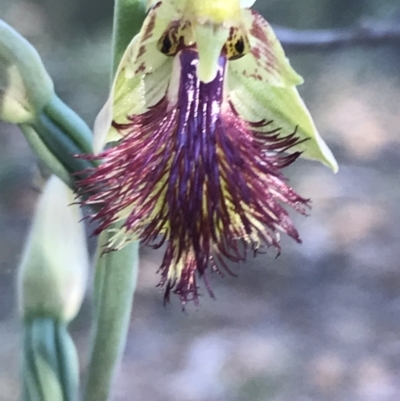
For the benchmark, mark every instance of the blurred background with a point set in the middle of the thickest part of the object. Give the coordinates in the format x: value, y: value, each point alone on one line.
x: 321, y: 322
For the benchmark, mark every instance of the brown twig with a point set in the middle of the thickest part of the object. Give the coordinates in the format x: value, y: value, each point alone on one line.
x: 368, y: 33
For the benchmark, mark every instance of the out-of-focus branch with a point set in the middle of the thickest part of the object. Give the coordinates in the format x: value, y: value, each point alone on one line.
x: 367, y: 33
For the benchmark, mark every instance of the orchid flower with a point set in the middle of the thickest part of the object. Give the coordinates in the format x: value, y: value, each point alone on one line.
x: 202, y: 116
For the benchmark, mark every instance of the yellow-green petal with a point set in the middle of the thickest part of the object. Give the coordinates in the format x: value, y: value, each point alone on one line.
x: 141, y: 78
x: 262, y: 85
x: 284, y: 106
x: 266, y: 62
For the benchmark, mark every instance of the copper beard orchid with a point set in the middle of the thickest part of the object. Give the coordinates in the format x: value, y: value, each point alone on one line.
x: 203, y: 114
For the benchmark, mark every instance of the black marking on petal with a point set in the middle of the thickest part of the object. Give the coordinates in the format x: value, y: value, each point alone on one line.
x: 166, y: 44
x: 239, y: 46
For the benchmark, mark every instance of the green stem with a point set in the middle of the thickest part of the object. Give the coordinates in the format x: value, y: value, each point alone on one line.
x: 115, y: 283
x: 128, y: 18
x: 60, y: 144
x: 116, y: 272
x: 44, y: 154
x: 70, y: 122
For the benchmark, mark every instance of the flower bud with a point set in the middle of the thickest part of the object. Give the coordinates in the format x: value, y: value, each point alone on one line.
x: 25, y: 86
x: 53, y: 271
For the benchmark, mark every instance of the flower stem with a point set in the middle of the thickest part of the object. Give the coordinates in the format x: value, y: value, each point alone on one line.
x: 128, y: 18
x: 60, y: 142
x: 116, y: 272
x: 44, y: 154
x: 115, y: 283
x: 70, y: 122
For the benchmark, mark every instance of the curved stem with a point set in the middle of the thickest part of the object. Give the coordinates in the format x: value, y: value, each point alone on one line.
x: 66, y: 119
x: 44, y: 154
x: 60, y: 144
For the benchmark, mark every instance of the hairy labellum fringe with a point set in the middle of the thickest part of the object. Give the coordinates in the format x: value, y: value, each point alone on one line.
x: 195, y: 176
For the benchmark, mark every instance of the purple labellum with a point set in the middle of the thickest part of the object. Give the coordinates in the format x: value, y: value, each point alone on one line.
x: 192, y: 174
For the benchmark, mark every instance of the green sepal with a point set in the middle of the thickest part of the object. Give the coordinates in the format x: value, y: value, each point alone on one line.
x: 287, y: 111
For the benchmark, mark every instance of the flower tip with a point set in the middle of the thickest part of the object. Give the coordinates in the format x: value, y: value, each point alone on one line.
x: 328, y: 157
x: 334, y: 166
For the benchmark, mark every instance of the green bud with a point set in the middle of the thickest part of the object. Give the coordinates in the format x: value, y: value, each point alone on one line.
x: 50, y: 368
x: 25, y: 86
x: 53, y: 271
